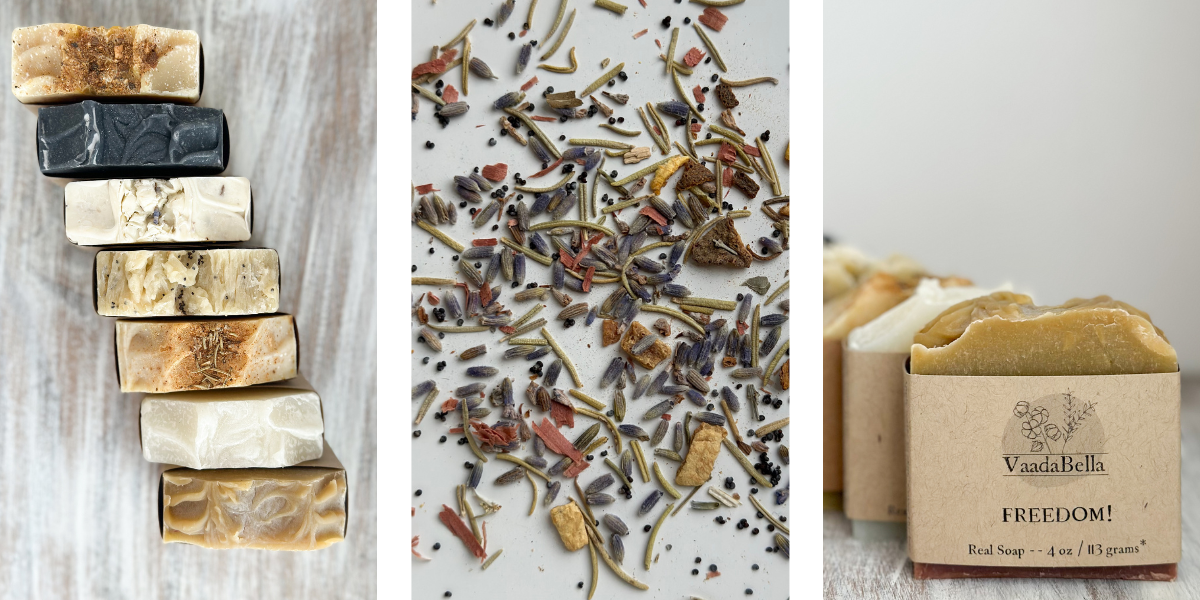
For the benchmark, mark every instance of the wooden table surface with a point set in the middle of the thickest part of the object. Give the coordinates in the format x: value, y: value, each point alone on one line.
x: 859, y: 569
x: 297, y: 83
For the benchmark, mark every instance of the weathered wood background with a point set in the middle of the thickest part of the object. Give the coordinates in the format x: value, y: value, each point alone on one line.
x: 860, y: 569
x: 77, y: 502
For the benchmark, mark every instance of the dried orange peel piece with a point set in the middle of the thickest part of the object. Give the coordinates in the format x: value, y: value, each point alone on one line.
x: 665, y: 172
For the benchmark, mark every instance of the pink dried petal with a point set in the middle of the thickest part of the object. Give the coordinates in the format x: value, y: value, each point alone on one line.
x: 714, y: 18
x: 436, y: 65
x: 496, y: 172
x: 693, y: 57
x: 456, y: 525
x: 726, y: 153
x: 640, y: 33
x: 562, y: 415
x: 531, y: 82
x: 698, y: 92
x: 449, y: 94
x: 751, y: 150
x: 425, y: 189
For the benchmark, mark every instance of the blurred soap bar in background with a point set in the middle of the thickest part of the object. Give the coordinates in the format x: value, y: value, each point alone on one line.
x: 1005, y: 334
x: 139, y: 211
x: 266, y: 426
x: 157, y: 355
x: 93, y: 140
x: 177, y: 283
x: 294, y: 508
x: 60, y: 62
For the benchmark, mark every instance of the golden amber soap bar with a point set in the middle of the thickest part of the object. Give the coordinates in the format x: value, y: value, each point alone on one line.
x: 302, y: 507
x: 1004, y: 334
x: 159, y: 355
x: 60, y: 62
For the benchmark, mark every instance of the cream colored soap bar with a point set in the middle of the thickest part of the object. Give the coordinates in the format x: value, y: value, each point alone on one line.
x: 59, y: 62
x: 267, y: 426
x: 293, y: 508
x: 170, y: 283
x: 139, y: 211
x: 1004, y: 334
x: 893, y: 331
x: 156, y: 355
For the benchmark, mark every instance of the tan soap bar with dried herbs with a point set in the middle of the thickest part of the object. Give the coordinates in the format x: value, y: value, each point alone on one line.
x: 302, y: 507
x: 158, y: 355
x: 60, y: 62
x: 697, y: 466
x: 1005, y: 334
x: 175, y: 283
x: 568, y: 520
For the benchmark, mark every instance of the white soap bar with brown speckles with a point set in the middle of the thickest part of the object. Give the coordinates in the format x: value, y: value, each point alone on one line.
x: 176, y: 283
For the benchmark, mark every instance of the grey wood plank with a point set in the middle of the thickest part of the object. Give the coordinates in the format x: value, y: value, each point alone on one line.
x: 297, y: 83
x: 881, y: 569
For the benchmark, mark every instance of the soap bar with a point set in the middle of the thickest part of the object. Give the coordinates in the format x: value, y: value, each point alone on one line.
x: 294, y: 508
x: 893, y: 331
x: 139, y: 211
x: 1005, y: 334
x: 157, y: 355
x: 1165, y: 572
x: 93, y: 140
x: 845, y: 267
x: 60, y: 62
x: 877, y: 294
x: 174, y: 283
x: 265, y: 426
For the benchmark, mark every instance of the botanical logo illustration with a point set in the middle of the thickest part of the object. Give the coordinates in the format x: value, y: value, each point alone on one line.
x: 1048, y: 437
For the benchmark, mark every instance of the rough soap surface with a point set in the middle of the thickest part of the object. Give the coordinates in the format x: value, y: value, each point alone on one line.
x: 60, y: 62
x: 93, y: 140
x: 265, y: 426
x: 172, y: 283
x: 137, y: 211
x: 169, y: 356
x: 1004, y: 334
x: 295, y: 508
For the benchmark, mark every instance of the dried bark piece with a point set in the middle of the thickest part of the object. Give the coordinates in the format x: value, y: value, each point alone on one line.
x: 702, y: 455
x: 637, y: 155
x: 563, y: 100
x: 722, y: 246
x: 650, y: 358
x: 610, y: 332
x: 725, y: 95
x: 743, y: 182
x: 728, y: 120
x: 784, y: 378
x: 694, y: 174
x: 568, y: 520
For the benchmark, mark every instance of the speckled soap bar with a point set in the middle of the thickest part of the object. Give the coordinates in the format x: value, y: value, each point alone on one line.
x: 93, y: 140
x: 140, y: 211
x: 176, y: 283
x: 60, y: 62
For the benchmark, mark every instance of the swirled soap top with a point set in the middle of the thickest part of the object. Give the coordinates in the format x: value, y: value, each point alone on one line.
x: 60, y: 62
x: 93, y: 140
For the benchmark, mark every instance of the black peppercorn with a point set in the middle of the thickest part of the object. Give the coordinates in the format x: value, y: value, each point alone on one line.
x: 442, y: 440
x: 666, y: 23
x: 429, y: 144
x: 512, y: 36
x: 417, y: 433
x: 492, y: 141
x: 414, y: 268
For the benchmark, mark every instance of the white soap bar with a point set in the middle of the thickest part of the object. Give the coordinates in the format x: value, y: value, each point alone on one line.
x: 139, y: 211
x: 176, y: 283
x: 60, y: 62
x: 267, y: 426
x: 893, y: 331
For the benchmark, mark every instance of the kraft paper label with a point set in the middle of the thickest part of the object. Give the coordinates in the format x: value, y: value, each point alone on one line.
x: 1043, y: 471
x: 873, y: 411
x: 832, y: 415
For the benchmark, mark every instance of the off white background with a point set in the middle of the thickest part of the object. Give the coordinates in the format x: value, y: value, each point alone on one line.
x: 1052, y: 144
x: 534, y: 564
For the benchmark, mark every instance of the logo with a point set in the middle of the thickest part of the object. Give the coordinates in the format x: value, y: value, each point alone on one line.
x: 1053, y: 441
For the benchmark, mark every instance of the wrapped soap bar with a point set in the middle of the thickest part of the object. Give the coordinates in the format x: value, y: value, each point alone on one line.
x: 93, y: 140
x: 302, y: 507
x: 139, y: 211
x: 265, y: 426
x: 176, y: 283
x: 170, y: 355
x: 60, y: 62
x: 1043, y: 441
x: 873, y: 403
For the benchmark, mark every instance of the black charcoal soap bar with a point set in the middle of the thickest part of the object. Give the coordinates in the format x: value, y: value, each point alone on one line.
x: 90, y: 139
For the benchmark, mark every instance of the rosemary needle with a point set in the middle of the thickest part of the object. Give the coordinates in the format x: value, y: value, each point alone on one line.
x: 654, y: 534
x: 595, y: 85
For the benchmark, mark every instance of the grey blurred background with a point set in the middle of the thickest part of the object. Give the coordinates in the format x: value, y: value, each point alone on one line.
x: 1055, y: 145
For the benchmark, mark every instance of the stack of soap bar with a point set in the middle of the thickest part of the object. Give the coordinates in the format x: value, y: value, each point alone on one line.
x: 166, y: 283
x: 302, y: 507
x: 1005, y: 334
x: 139, y: 211
x: 156, y: 355
x: 270, y: 425
x: 874, y: 409
x: 60, y: 62
x: 93, y: 140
